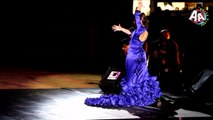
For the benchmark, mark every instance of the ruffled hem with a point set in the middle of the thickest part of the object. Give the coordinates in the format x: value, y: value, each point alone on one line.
x: 139, y: 95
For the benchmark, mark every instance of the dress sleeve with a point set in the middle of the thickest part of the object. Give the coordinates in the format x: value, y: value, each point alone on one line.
x: 138, y: 20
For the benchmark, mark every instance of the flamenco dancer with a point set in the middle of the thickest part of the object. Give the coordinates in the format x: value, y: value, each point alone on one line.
x: 138, y: 87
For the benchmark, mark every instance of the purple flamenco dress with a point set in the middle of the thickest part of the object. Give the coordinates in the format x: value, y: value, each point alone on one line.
x: 138, y: 88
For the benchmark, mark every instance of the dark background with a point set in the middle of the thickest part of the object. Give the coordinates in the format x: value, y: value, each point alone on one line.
x: 77, y: 36
x: 62, y: 35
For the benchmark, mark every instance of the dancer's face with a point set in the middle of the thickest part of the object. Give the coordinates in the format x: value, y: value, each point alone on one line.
x: 142, y: 19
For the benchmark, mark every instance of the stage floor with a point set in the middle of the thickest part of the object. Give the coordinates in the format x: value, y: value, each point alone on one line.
x: 67, y: 103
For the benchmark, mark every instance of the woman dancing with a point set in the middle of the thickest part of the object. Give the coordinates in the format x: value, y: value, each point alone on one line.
x: 138, y: 87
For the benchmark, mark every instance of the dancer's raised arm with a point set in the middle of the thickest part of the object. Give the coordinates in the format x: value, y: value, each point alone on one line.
x: 119, y: 28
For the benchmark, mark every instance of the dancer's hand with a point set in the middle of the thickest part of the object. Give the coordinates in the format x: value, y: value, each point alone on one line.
x: 116, y: 27
x: 139, y: 5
